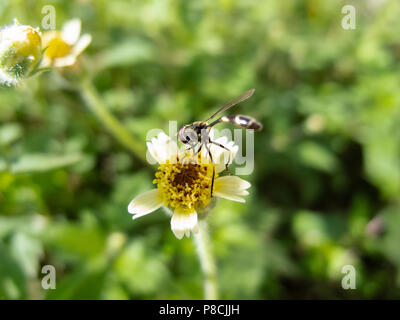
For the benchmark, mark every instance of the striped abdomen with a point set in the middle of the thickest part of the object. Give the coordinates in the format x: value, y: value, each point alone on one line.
x: 243, y: 121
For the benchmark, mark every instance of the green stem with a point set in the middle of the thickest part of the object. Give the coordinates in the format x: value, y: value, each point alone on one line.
x: 204, y: 251
x: 93, y: 101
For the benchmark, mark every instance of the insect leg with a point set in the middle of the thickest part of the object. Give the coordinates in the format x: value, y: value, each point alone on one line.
x: 191, y: 147
x: 198, y: 150
x: 222, y: 146
x: 213, y: 176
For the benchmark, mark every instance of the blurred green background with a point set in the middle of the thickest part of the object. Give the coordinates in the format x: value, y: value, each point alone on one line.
x: 326, y: 185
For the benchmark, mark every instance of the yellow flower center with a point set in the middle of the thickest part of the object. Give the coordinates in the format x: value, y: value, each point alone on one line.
x: 185, y: 186
x: 57, y: 47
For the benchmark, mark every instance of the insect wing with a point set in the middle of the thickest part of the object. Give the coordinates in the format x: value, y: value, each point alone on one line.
x: 233, y: 102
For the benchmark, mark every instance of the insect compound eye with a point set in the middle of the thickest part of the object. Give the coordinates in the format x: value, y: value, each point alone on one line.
x: 181, y: 135
x: 187, y: 135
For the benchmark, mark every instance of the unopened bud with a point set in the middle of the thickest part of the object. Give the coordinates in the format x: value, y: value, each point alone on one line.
x: 20, y: 52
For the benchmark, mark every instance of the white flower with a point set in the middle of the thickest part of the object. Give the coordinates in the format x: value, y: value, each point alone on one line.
x: 20, y: 52
x: 184, y: 183
x: 64, y: 47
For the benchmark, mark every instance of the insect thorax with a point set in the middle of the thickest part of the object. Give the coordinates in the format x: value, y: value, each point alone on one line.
x: 200, y: 127
x: 192, y: 132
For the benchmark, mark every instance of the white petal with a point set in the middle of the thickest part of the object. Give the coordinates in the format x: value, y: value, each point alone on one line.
x: 66, y: 61
x: 82, y: 44
x: 234, y: 181
x: 231, y: 187
x: 163, y: 148
x: 70, y: 59
x: 145, y: 203
x: 183, y: 223
x: 46, y: 62
x: 71, y: 31
x: 229, y: 197
x: 153, y: 153
x: 177, y: 225
x: 48, y: 36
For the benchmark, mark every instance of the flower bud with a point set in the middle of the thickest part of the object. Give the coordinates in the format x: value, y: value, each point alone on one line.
x: 20, y: 52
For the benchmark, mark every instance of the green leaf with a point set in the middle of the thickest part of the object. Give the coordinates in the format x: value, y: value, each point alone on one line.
x: 383, y: 165
x: 28, y: 224
x: 43, y: 162
x: 12, y: 279
x: 77, y: 240
x: 3, y: 165
x: 317, y: 156
x: 141, y: 271
x: 27, y: 251
x: 39, y: 71
x: 9, y: 133
x: 127, y: 53
x: 84, y: 284
x: 314, y: 229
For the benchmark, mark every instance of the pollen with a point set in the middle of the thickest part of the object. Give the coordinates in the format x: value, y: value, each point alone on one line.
x: 57, y: 47
x: 185, y: 185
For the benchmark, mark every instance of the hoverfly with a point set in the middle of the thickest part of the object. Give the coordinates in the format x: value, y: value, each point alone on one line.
x: 197, y: 133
